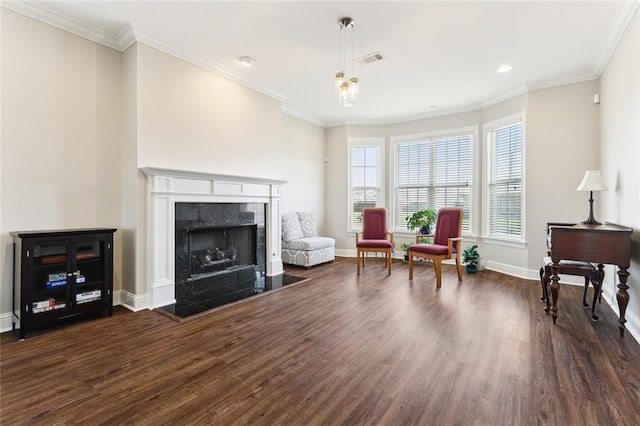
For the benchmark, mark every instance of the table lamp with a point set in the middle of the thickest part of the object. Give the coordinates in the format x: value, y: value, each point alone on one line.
x: 592, y: 181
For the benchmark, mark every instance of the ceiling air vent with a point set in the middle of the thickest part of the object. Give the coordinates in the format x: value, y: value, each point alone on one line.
x: 370, y: 58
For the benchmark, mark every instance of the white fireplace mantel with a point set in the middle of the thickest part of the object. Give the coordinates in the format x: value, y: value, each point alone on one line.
x: 166, y: 187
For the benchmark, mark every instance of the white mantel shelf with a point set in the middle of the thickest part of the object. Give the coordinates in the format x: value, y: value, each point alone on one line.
x: 166, y: 187
x: 154, y: 171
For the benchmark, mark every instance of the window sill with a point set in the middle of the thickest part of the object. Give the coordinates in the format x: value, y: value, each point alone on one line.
x: 504, y: 243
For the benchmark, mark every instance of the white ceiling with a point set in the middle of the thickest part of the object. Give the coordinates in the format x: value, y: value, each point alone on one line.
x: 439, y: 57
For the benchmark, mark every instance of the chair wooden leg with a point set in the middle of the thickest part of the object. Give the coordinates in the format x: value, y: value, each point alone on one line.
x: 358, y: 261
x: 389, y: 263
x: 438, y: 267
x: 410, y: 266
x: 459, y: 268
x: 542, y: 283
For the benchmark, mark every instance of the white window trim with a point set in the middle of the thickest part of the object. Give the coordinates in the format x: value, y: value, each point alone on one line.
x: 475, y: 192
x: 521, y: 241
x: 380, y: 143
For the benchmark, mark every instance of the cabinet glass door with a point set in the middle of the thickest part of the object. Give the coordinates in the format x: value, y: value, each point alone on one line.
x: 90, y: 270
x: 50, y: 284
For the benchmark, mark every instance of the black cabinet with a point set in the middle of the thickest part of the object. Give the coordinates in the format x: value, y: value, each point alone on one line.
x: 59, y: 274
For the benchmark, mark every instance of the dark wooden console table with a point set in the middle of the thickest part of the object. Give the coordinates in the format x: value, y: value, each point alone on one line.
x: 608, y: 243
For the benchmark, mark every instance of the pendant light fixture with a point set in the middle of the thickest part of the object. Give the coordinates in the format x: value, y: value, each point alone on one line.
x: 346, y: 88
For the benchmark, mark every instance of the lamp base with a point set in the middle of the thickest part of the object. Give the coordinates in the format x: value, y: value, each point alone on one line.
x: 591, y: 220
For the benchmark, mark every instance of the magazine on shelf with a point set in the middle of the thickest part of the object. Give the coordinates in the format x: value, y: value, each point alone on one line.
x: 43, y: 303
x: 58, y: 276
x: 51, y: 307
x: 88, y: 296
x: 55, y: 284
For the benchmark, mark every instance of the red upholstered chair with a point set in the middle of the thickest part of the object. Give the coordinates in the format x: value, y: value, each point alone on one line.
x: 375, y: 237
x: 446, y: 243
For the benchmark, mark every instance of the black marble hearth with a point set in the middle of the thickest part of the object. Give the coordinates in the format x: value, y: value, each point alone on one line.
x: 186, y: 307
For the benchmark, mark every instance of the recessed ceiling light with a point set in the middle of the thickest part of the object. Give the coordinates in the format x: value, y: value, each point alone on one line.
x: 247, y: 61
x: 504, y: 68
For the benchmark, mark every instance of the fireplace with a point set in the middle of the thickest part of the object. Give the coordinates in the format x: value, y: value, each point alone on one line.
x: 220, y: 251
x: 166, y: 231
x: 214, y: 250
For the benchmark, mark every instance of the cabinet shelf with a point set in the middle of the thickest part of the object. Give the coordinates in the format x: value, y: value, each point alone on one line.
x: 59, y: 274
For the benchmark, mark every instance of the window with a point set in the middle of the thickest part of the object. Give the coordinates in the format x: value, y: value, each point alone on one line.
x: 433, y: 172
x: 365, y: 177
x: 505, y: 148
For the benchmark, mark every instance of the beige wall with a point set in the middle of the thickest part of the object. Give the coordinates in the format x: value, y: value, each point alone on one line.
x: 60, y: 135
x: 335, y: 178
x: 304, y: 149
x: 562, y: 143
x: 192, y: 119
x: 620, y: 157
x: 131, y: 209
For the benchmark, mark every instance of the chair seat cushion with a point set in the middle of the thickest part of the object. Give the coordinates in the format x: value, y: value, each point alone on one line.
x: 546, y: 261
x: 309, y: 243
x: 374, y: 244
x: 434, y: 249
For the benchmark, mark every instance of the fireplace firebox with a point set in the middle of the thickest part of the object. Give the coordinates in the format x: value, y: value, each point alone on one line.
x: 214, y: 250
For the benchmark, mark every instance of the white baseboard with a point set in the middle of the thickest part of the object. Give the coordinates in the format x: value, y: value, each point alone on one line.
x: 6, y: 322
x: 132, y: 301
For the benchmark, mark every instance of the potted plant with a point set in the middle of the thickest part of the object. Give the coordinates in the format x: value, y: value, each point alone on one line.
x: 405, y: 246
x: 405, y: 249
x: 422, y: 220
x: 471, y: 257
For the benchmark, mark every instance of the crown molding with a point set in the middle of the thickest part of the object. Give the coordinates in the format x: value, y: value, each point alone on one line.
x: 127, y: 36
x: 304, y: 117
x: 206, y: 64
x: 562, y: 81
x: 406, y: 118
x: 48, y: 16
x: 505, y: 96
x: 626, y: 10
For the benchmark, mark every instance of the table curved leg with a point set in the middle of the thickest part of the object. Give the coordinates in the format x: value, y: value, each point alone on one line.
x: 623, y: 298
x: 555, y: 290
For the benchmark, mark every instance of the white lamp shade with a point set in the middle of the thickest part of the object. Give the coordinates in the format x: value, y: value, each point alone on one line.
x: 592, y: 181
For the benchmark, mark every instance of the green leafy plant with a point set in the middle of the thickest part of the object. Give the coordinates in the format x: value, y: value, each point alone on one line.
x: 421, y: 219
x: 421, y: 240
x: 471, y: 257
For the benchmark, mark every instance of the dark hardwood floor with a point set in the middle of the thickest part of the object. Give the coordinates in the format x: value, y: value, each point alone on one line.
x: 336, y: 349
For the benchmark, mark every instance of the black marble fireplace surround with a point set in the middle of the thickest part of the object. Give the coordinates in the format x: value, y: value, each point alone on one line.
x: 220, y: 252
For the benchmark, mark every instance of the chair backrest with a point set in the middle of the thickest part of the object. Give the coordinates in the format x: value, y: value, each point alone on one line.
x: 448, y: 225
x: 374, y: 223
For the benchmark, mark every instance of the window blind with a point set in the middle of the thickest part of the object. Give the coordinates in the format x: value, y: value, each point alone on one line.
x: 431, y: 174
x: 365, y: 181
x: 505, y: 181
